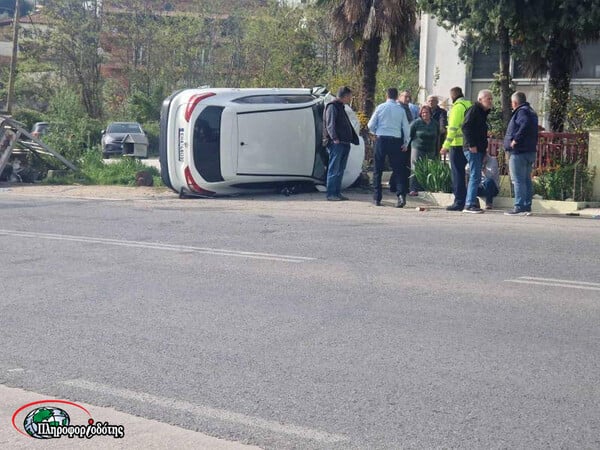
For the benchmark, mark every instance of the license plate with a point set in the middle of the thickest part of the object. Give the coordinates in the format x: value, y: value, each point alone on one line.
x: 180, y: 144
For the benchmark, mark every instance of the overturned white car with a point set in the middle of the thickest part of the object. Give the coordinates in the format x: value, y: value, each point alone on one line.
x: 231, y: 141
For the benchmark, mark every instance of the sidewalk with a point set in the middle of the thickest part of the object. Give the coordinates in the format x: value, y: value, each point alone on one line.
x: 140, y: 433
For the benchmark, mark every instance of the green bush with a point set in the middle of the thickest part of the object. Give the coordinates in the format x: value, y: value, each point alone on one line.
x: 28, y: 117
x: 560, y: 182
x: 583, y: 113
x: 433, y: 175
x: 121, y: 172
x: 93, y: 170
x: 71, y: 130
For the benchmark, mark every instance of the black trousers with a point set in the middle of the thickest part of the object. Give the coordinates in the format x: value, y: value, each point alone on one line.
x: 459, y: 186
x: 391, y: 147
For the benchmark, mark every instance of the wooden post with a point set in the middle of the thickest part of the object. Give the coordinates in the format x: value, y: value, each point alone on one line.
x: 13, y: 62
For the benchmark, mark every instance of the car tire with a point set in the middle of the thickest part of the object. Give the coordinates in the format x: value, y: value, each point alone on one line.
x: 105, y: 156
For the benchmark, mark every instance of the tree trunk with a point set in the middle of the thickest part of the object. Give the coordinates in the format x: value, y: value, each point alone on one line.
x: 369, y: 63
x: 559, y: 81
x: 505, y: 91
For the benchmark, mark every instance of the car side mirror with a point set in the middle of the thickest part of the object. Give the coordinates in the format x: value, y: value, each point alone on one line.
x: 103, y: 132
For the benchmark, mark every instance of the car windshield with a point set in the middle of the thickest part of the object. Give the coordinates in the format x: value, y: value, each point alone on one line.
x: 124, y: 128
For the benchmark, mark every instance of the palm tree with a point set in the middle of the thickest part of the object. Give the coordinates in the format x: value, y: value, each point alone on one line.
x: 361, y: 26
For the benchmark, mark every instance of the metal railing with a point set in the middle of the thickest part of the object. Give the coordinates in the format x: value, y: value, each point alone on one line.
x: 552, y: 148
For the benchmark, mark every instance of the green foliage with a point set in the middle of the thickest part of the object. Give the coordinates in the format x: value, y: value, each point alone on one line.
x: 95, y: 171
x: 561, y: 182
x: 28, y: 117
x: 71, y: 130
x: 583, y: 114
x: 433, y: 175
x: 152, y: 130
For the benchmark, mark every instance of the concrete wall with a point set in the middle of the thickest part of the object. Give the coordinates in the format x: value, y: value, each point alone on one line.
x: 594, y: 162
x: 440, y: 68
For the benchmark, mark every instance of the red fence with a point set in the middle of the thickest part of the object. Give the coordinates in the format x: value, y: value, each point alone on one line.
x: 552, y: 148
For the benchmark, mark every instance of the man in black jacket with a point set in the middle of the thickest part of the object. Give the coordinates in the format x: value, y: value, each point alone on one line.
x: 338, y: 133
x: 475, y: 131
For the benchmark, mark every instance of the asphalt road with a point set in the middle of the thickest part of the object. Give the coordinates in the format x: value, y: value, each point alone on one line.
x: 298, y: 323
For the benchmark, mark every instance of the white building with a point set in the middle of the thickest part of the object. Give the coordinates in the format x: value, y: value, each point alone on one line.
x: 440, y: 69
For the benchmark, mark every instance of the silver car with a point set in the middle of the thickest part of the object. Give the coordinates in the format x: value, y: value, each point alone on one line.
x: 116, y: 132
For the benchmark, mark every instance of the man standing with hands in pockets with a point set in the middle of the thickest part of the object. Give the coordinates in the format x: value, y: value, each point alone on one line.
x: 390, y: 125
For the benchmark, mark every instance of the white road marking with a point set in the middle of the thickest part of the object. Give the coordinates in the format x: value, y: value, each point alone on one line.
x: 555, y: 280
x: 208, y: 412
x: 159, y: 246
x: 557, y: 283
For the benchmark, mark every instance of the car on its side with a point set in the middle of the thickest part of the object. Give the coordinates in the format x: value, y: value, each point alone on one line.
x: 112, y: 137
x: 231, y: 141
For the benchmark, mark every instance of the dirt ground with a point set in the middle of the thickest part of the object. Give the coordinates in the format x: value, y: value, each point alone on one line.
x: 81, y: 191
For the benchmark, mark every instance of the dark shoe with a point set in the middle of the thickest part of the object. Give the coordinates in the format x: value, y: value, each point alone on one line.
x: 401, y: 201
x: 473, y: 210
x: 454, y: 207
x: 413, y: 194
x: 343, y: 197
x: 377, y: 202
x: 489, y: 206
x: 516, y: 212
x: 334, y: 199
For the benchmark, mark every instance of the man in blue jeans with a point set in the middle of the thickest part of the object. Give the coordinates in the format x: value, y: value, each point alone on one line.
x: 338, y: 134
x: 475, y: 131
x: 521, y: 143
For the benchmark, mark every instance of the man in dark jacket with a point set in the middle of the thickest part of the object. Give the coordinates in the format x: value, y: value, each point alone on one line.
x: 338, y: 134
x: 475, y: 132
x: 521, y: 143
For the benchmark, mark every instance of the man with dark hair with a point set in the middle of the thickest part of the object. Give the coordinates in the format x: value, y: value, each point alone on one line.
x: 440, y: 115
x: 475, y: 131
x: 338, y: 133
x: 411, y: 110
x: 454, y: 145
x: 390, y: 125
x: 520, y: 142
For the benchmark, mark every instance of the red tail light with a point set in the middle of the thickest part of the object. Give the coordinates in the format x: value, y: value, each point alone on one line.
x: 193, y: 102
x: 189, y: 179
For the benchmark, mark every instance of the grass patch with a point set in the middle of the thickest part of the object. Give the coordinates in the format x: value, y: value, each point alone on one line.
x: 93, y: 170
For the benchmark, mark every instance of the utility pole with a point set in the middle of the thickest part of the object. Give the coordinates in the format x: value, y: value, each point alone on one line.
x: 13, y: 62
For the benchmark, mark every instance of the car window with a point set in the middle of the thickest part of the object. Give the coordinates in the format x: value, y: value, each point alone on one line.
x: 207, y: 143
x: 275, y: 99
x: 124, y: 128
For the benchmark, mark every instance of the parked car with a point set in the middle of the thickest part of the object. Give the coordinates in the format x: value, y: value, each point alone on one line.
x: 39, y: 129
x: 230, y: 141
x: 112, y: 137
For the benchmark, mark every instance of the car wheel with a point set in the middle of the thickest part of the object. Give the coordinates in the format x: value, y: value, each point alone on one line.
x: 105, y: 156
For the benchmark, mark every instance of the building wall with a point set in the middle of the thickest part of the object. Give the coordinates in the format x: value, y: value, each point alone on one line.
x: 440, y: 67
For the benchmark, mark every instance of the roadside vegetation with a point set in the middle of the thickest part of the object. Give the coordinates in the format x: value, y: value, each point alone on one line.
x: 93, y: 170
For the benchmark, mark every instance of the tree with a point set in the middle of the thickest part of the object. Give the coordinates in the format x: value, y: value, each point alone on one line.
x: 549, y: 34
x: 482, y: 22
x: 361, y: 26
x: 73, y: 45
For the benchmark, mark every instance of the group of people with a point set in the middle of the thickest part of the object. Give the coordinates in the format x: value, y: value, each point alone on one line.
x: 405, y: 133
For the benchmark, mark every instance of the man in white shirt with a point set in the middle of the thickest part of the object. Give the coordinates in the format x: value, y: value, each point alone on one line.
x: 390, y: 125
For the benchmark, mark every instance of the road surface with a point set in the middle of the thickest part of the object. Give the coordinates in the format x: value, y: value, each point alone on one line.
x: 298, y: 323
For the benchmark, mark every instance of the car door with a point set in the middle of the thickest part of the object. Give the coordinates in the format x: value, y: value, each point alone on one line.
x: 276, y: 142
